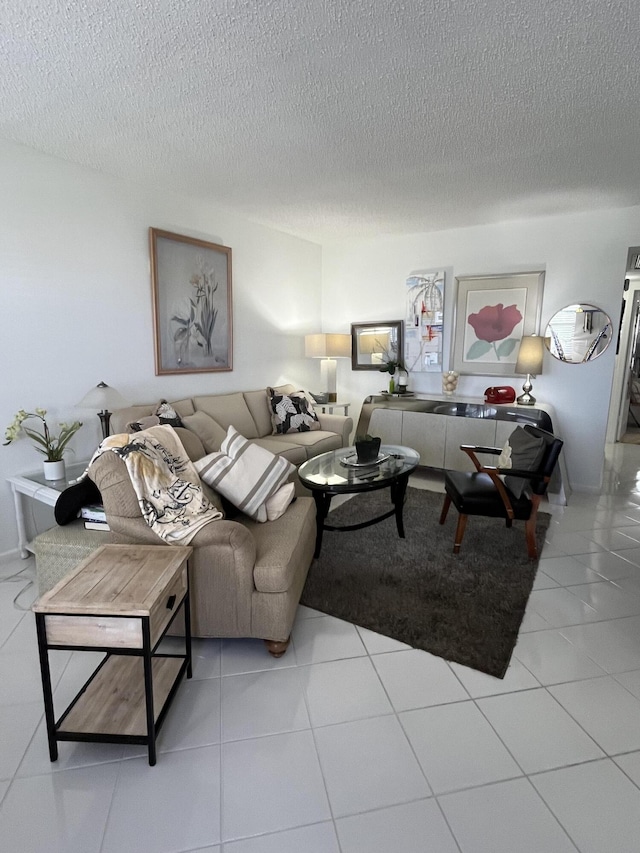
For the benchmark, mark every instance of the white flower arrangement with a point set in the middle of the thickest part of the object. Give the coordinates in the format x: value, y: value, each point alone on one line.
x: 51, y: 446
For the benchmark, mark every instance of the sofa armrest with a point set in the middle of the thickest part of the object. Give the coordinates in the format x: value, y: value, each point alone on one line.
x: 340, y: 424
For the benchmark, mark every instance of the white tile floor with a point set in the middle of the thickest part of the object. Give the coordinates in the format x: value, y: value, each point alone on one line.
x: 354, y: 743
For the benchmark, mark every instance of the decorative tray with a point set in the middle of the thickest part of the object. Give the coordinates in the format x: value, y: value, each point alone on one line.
x: 352, y: 460
x: 397, y: 394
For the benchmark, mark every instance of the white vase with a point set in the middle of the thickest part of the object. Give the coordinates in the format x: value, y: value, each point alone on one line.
x: 54, y: 470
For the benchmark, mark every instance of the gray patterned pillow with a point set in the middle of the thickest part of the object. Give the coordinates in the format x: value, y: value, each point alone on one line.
x: 524, y: 452
x: 291, y: 413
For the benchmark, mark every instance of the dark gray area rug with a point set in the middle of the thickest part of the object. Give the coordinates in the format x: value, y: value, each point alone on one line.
x: 465, y: 608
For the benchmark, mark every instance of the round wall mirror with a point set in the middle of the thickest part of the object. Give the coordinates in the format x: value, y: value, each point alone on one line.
x: 578, y: 333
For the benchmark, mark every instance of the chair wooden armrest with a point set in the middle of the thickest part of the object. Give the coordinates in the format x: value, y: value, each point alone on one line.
x: 472, y: 449
x: 480, y: 449
x: 494, y: 473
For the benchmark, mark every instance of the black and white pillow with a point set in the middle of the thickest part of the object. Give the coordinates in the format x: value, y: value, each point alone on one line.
x: 168, y: 414
x: 291, y: 413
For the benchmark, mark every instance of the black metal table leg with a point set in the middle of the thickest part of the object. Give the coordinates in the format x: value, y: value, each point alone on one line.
x: 187, y: 626
x: 323, y: 502
x: 148, y: 691
x: 45, y: 672
x: 398, y: 491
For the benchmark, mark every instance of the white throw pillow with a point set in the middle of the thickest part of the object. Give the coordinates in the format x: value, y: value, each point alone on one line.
x: 246, y: 474
x: 277, y: 504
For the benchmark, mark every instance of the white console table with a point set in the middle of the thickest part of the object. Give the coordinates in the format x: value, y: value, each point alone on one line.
x: 436, y: 426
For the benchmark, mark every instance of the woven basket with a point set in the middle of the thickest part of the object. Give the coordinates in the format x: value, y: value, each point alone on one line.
x: 60, y: 549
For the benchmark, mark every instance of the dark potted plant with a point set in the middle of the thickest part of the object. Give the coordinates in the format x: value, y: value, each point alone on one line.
x: 390, y: 367
x: 367, y: 448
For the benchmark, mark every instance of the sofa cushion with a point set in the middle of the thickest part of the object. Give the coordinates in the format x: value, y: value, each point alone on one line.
x: 291, y: 413
x: 319, y: 441
x: 282, y: 446
x: 210, y: 433
x: 228, y: 410
x: 246, y: 474
x: 258, y: 404
x: 194, y: 448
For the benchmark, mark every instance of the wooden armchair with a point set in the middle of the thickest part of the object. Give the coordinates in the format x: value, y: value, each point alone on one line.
x: 483, y: 492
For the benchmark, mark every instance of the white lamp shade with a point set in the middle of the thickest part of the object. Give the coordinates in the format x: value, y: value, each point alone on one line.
x: 327, y: 346
x: 103, y: 397
x: 530, y: 355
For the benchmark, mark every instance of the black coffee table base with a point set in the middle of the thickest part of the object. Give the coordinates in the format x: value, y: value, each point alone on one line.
x: 398, y: 487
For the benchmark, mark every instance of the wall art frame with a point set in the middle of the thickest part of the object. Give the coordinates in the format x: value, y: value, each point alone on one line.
x: 374, y: 344
x: 192, y: 304
x: 492, y: 314
x: 424, y: 322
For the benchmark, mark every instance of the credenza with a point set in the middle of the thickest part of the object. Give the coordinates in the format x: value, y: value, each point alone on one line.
x: 437, y: 426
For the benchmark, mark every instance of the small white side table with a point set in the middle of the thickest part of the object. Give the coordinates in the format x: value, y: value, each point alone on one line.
x: 332, y: 406
x: 44, y: 491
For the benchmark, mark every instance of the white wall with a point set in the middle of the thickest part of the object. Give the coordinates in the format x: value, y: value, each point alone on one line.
x: 76, y: 306
x: 584, y: 257
x: 75, y: 299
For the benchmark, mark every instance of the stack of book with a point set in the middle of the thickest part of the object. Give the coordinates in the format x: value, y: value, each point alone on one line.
x: 94, y: 517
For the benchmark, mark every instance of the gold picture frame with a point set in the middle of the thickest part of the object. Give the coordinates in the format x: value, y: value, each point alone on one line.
x: 192, y: 308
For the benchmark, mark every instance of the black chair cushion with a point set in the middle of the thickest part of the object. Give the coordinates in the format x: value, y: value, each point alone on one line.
x: 476, y: 494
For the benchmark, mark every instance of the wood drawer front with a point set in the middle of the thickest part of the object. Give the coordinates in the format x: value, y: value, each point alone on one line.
x: 110, y: 632
x: 161, y: 612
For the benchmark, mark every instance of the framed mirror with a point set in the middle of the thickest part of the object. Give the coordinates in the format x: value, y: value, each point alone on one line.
x: 578, y: 333
x: 375, y: 344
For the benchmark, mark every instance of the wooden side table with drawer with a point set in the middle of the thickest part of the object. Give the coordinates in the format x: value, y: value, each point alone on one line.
x: 120, y: 600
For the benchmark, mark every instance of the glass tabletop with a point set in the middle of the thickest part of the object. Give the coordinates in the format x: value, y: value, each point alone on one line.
x: 73, y: 470
x: 338, y: 470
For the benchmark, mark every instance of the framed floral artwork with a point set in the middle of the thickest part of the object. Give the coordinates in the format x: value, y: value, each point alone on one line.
x: 192, y: 312
x: 492, y: 314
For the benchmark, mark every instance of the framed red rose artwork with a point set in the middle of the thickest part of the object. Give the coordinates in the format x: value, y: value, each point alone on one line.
x: 492, y: 314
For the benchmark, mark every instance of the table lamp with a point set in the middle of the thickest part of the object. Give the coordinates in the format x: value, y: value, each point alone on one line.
x: 530, y: 362
x: 328, y: 348
x: 103, y: 397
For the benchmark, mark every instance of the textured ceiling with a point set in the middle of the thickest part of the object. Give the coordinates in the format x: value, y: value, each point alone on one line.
x: 337, y: 118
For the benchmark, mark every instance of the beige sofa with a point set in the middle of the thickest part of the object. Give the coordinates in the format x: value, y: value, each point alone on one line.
x: 246, y: 577
x: 209, y: 416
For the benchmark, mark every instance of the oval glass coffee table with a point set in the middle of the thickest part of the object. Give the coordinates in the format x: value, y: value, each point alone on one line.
x: 338, y: 473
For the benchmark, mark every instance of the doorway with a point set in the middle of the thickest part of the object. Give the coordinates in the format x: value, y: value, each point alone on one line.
x: 624, y: 407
